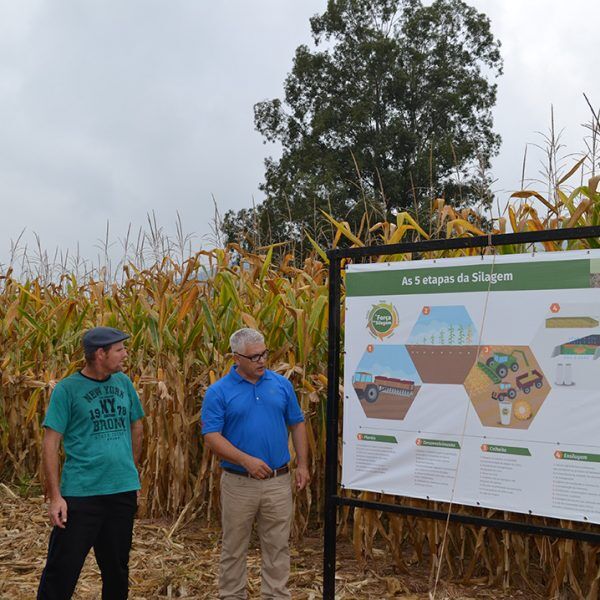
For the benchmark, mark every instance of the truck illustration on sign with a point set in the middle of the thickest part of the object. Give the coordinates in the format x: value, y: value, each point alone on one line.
x: 527, y: 380
x: 369, y: 386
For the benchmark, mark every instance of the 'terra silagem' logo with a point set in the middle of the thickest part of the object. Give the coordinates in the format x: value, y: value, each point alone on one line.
x: 382, y: 320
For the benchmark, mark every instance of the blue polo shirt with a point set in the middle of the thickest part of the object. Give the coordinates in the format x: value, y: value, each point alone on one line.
x: 254, y: 417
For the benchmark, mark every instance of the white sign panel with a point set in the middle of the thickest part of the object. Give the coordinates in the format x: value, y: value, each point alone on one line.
x: 477, y: 381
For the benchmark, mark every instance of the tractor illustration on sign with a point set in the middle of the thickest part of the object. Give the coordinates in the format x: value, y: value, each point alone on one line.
x: 528, y: 380
x: 500, y: 362
x: 506, y: 392
x: 369, y: 386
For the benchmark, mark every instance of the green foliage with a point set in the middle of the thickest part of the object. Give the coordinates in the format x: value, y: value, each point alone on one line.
x: 391, y: 110
x: 28, y: 486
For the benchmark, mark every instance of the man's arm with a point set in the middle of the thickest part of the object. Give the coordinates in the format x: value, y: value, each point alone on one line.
x: 137, y: 436
x: 223, y: 448
x: 300, y: 442
x: 57, y: 507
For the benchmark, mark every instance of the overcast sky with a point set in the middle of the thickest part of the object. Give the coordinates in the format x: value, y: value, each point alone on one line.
x: 110, y: 110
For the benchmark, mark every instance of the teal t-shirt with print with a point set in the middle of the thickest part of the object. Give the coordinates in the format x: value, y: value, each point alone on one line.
x: 94, y: 418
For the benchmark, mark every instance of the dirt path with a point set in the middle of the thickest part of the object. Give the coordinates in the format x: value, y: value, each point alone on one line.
x: 184, y: 563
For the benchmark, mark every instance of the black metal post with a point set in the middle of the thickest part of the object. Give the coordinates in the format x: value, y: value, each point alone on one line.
x: 468, y: 519
x: 331, y: 449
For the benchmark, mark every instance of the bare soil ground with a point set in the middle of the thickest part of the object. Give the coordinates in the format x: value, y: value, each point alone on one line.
x: 183, y: 563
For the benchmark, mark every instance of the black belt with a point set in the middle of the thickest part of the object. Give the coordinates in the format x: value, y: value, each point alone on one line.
x: 281, y: 471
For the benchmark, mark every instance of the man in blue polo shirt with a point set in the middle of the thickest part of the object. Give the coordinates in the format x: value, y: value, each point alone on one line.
x: 245, y: 420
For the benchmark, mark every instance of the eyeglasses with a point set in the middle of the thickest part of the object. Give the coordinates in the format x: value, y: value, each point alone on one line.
x: 255, y: 357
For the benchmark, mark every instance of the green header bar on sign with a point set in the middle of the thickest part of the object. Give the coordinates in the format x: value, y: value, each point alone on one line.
x: 534, y: 275
x: 507, y: 450
x: 452, y: 445
x: 370, y: 437
x: 580, y: 456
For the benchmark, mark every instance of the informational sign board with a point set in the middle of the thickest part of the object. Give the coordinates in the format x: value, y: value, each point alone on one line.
x: 477, y: 381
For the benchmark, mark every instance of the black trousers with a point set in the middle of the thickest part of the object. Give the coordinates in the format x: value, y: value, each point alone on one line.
x: 104, y: 523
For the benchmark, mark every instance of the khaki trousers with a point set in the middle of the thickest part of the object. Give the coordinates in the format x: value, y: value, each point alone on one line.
x: 269, y: 501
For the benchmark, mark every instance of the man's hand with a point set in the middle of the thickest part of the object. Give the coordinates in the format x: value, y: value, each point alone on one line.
x: 57, y: 506
x: 302, y: 478
x: 57, y: 511
x: 226, y: 450
x: 256, y: 467
x: 300, y: 441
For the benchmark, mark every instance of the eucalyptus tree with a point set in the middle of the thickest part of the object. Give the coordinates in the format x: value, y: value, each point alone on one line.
x: 390, y: 108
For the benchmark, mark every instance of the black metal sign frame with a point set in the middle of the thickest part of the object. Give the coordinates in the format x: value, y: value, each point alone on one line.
x: 332, y: 499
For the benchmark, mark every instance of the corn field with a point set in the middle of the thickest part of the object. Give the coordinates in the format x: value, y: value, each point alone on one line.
x: 180, y: 316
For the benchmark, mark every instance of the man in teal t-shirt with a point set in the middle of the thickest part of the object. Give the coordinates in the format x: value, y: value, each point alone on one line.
x: 97, y: 414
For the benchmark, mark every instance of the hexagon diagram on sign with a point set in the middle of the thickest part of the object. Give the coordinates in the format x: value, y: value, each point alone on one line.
x: 507, y: 386
x: 386, y: 382
x: 441, y: 344
x: 567, y: 344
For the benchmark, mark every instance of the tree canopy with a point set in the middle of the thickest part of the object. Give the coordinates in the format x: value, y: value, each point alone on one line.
x: 390, y: 109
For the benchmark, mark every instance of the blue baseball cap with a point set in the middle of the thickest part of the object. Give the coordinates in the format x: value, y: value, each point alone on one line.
x: 98, y: 337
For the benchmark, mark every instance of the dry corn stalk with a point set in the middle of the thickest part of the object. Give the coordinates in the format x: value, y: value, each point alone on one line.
x: 180, y: 317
